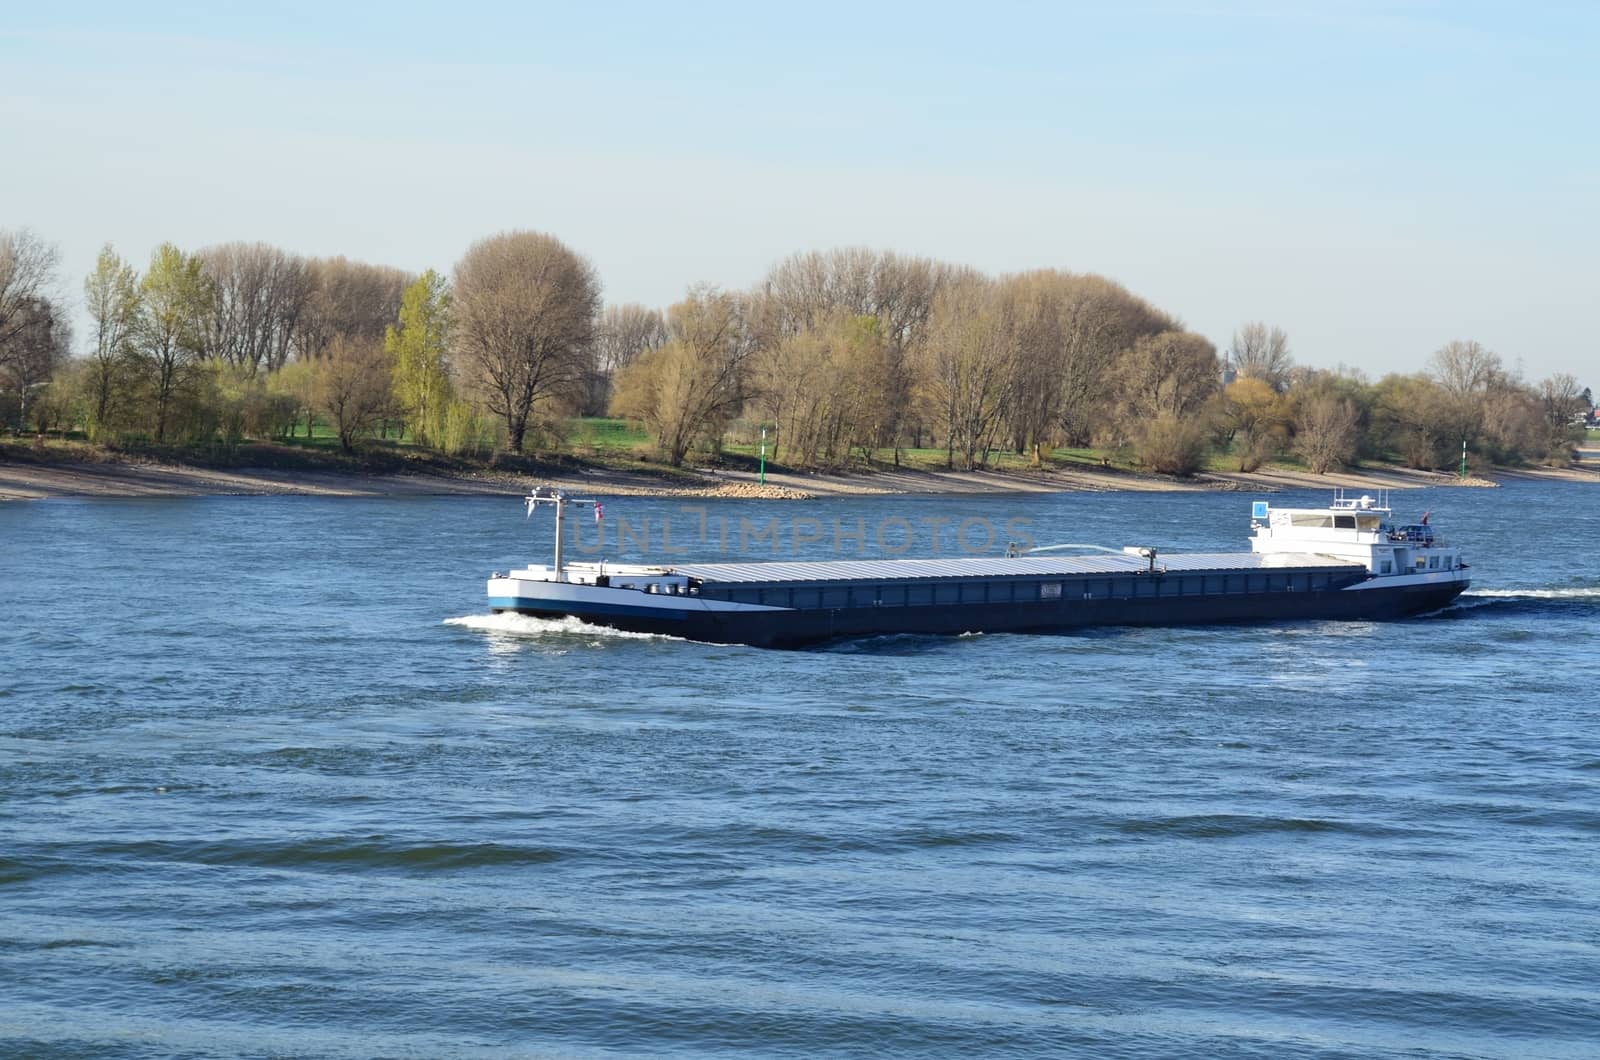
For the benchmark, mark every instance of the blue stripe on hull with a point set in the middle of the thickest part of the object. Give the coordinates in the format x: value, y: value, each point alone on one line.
x: 528, y: 606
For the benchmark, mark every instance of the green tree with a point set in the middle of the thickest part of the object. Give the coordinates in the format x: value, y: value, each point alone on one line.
x: 111, y: 295
x: 1412, y: 419
x: 1172, y: 446
x: 295, y: 386
x: 352, y: 387
x: 418, y: 356
x: 1255, y: 416
x: 171, y: 333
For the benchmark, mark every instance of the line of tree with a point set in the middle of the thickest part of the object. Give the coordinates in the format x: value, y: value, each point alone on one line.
x: 845, y: 357
x: 1465, y: 399
x: 850, y: 356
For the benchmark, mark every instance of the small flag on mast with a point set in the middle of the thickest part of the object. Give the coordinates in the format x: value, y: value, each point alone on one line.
x: 599, y: 509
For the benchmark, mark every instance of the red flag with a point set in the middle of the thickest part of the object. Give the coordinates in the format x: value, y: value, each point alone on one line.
x: 598, y: 509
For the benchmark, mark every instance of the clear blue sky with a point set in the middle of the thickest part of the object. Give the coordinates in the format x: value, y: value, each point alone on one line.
x: 1375, y: 178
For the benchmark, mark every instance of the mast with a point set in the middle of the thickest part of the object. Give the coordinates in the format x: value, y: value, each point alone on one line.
x: 561, y: 507
x: 558, y: 498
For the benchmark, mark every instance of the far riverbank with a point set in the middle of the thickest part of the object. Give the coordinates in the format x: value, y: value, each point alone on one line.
x: 25, y: 480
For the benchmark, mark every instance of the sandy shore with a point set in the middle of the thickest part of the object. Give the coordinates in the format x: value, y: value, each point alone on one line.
x: 20, y: 481
x: 30, y: 481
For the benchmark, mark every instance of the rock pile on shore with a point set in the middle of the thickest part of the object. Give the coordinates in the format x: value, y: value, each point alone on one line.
x: 728, y: 490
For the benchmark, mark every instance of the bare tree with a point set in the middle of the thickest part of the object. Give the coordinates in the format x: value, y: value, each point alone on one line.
x: 525, y: 318
x: 1561, y: 400
x: 40, y: 337
x: 969, y: 367
x: 1260, y: 352
x: 1464, y: 369
x: 352, y: 386
x: 1470, y: 378
x: 1326, y: 431
x: 809, y: 290
x: 691, y: 387
x: 1172, y: 374
x: 824, y: 390
x: 814, y: 291
x: 258, y: 295
x: 624, y: 332
x: 27, y: 269
x: 1412, y: 417
x: 344, y: 297
x: 294, y: 294
x: 1069, y: 330
x: 1513, y: 423
x: 904, y: 290
x: 804, y: 290
x: 798, y: 380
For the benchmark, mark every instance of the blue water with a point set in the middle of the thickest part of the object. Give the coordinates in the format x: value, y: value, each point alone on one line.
x: 274, y: 785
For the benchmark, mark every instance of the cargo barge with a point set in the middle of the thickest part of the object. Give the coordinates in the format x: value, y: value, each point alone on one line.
x: 1348, y: 561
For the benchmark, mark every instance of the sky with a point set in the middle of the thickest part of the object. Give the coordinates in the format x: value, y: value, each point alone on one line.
x: 1377, y: 179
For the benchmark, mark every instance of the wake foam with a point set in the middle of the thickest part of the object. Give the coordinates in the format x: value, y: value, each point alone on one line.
x: 511, y: 624
x: 1577, y: 600
x: 1587, y: 593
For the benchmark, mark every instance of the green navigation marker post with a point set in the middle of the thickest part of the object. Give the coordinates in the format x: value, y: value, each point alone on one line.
x: 764, y: 456
x: 1463, y: 458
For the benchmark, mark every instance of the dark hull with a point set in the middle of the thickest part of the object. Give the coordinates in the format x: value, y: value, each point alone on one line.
x: 797, y: 628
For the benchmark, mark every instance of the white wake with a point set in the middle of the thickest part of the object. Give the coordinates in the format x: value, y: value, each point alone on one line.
x: 509, y: 623
x: 1586, y: 593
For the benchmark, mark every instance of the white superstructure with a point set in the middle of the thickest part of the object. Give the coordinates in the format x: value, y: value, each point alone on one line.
x: 1361, y: 529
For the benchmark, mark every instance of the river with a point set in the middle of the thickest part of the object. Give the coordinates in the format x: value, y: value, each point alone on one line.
x: 274, y: 785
